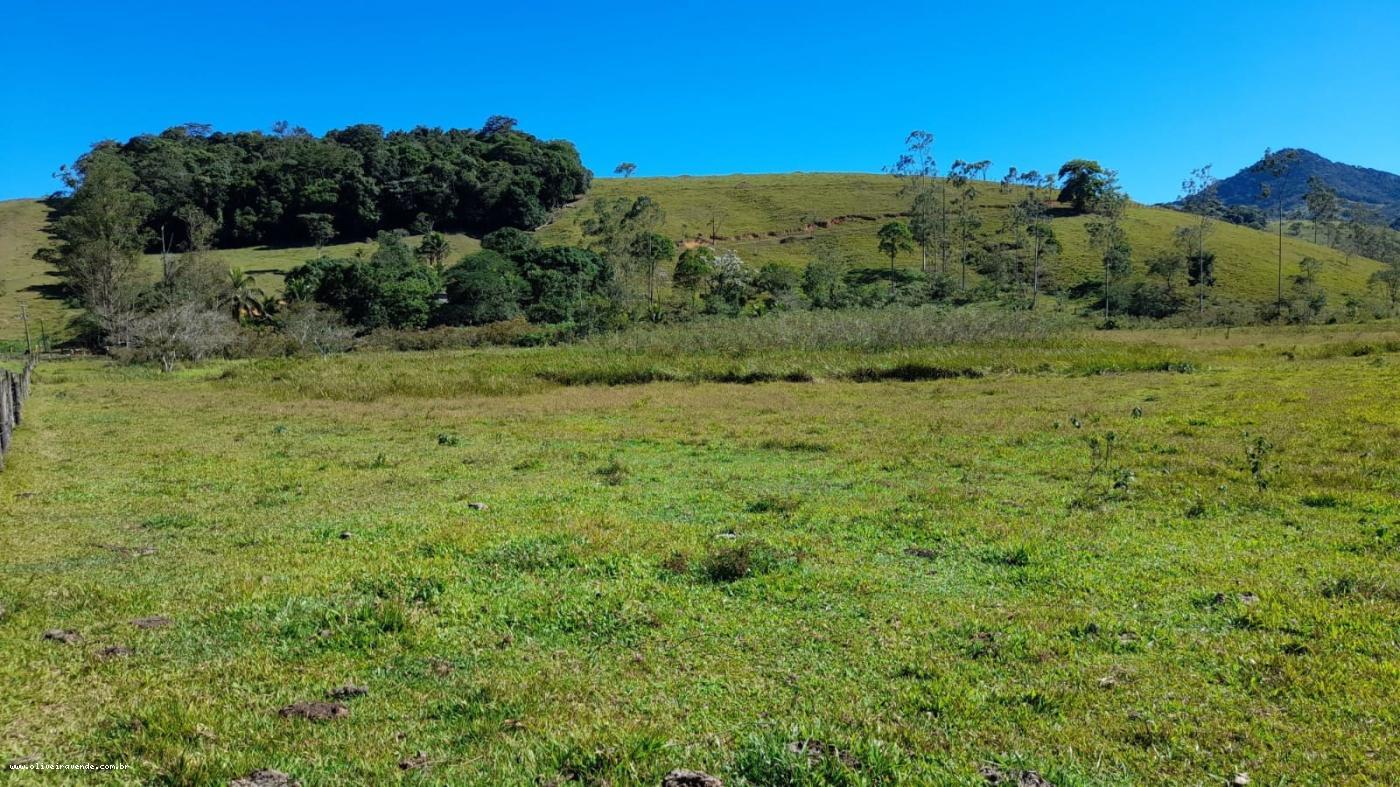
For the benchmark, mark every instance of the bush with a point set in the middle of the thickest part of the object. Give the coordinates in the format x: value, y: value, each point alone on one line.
x: 483, y: 288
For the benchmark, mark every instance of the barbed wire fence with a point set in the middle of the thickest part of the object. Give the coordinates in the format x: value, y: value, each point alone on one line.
x: 14, y: 392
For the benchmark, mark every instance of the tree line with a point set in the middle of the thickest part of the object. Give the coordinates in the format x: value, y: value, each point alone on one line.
x: 626, y: 270
x: 290, y: 187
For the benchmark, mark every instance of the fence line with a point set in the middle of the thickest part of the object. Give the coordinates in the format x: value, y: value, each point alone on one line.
x: 14, y: 391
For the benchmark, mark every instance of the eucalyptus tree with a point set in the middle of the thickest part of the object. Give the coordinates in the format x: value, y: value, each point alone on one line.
x: 1032, y: 220
x: 1107, y: 236
x: 1198, y: 196
x: 965, y: 220
x: 1323, y: 206
x: 917, y: 170
x: 1275, y: 165
x: 625, y: 169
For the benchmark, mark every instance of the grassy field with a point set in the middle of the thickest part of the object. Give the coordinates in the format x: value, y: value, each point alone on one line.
x: 843, y: 579
x: 772, y: 218
x: 766, y: 218
x: 28, y: 283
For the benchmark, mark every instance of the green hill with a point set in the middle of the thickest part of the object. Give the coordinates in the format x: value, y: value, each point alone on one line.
x: 765, y: 218
x: 27, y: 282
x: 776, y: 218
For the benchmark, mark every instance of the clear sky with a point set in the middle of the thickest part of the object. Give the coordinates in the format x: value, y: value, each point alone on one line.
x: 1150, y: 89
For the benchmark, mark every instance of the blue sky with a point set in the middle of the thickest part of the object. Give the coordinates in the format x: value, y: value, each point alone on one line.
x: 1150, y: 89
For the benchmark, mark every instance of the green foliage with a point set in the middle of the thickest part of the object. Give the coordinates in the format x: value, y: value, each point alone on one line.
x: 1085, y: 183
x: 388, y: 289
x: 483, y: 288
x: 289, y: 186
x: 895, y: 238
x: 693, y: 268
x: 510, y: 242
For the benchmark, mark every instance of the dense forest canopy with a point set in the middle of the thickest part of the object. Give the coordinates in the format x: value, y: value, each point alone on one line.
x: 289, y: 186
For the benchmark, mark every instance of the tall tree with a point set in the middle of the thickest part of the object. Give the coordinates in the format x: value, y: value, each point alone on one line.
x: 965, y: 218
x: 1107, y: 236
x: 916, y: 170
x: 1198, y: 195
x: 101, y: 236
x: 1323, y: 206
x: 1275, y: 165
x: 625, y: 169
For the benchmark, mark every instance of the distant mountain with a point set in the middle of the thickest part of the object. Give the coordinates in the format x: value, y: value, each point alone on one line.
x: 1371, y: 187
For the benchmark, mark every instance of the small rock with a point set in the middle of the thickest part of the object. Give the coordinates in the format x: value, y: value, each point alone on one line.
x: 1107, y: 682
x: 314, y: 711
x: 153, y: 622
x: 1249, y: 599
x: 477, y: 506
x: 419, y: 760
x: 114, y: 651
x: 1240, y: 780
x: 265, y: 778
x: 66, y: 636
x: 682, y: 777
x: 347, y: 692
x: 345, y: 535
x: 726, y: 535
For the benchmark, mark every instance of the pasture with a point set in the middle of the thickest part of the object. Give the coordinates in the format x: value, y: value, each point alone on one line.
x: 1110, y: 558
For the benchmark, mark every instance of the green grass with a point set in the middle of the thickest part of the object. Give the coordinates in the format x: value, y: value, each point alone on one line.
x: 901, y: 581
x: 28, y: 283
x: 769, y: 218
x: 750, y: 207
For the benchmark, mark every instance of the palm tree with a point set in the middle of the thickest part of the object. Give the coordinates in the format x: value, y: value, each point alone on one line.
x: 243, y: 295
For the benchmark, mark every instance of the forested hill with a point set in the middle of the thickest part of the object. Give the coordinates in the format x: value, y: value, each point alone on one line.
x: 1373, y: 188
x: 289, y: 187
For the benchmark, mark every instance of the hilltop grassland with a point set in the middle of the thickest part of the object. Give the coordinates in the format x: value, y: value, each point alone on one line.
x: 777, y: 218
x: 1111, y: 558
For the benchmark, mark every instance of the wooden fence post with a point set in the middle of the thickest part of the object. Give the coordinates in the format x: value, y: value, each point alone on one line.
x: 6, y: 415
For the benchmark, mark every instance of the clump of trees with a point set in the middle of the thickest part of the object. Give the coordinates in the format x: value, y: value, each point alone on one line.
x: 290, y: 187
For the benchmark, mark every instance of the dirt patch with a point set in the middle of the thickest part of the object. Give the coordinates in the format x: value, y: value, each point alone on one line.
x: 1012, y: 778
x: 114, y: 652
x: 66, y: 636
x: 265, y: 778
x: 682, y: 777
x: 419, y: 760
x: 815, y: 751
x: 923, y: 552
x: 314, y: 711
x: 346, y: 692
x: 153, y: 622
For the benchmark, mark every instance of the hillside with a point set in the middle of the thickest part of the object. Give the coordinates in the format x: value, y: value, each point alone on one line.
x: 1371, y: 187
x: 776, y: 218
x: 25, y: 281
x: 765, y: 218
